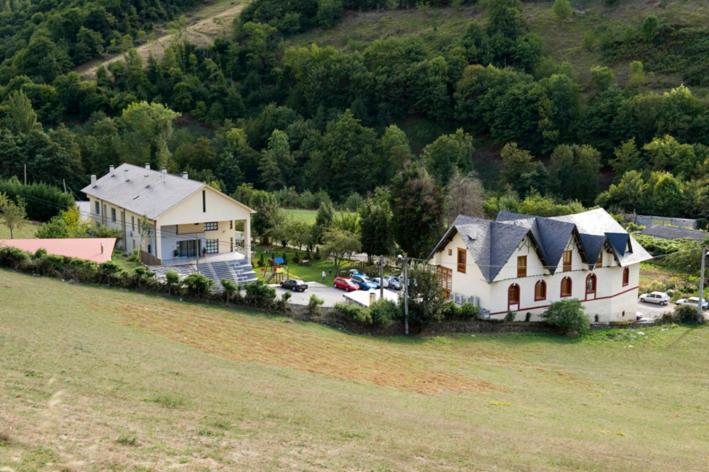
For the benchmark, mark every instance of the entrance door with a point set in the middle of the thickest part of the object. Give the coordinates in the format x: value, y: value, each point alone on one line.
x: 188, y: 248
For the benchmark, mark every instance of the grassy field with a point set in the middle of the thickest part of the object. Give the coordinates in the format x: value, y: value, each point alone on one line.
x: 306, y: 216
x: 26, y: 232
x: 109, y: 380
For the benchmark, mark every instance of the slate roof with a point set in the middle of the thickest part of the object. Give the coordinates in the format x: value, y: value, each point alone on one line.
x: 491, y: 243
x: 142, y: 191
x: 671, y: 232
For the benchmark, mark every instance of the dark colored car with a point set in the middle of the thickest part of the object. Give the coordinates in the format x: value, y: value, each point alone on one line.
x: 343, y: 283
x: 295, y: 285
x: 363, y: 282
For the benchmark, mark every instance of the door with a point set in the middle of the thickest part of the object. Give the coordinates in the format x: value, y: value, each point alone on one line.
x: 187, y: 248
x: 445, y: 278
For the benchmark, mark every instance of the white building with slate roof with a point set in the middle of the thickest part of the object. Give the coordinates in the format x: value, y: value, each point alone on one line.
x: 169, y: 218
x: 522, y: 264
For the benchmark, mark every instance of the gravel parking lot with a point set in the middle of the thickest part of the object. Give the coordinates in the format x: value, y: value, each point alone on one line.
x: 330, y: 295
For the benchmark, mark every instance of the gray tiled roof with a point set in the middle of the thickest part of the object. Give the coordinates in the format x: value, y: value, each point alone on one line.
x: 142, y: 191
x: 491, y: 243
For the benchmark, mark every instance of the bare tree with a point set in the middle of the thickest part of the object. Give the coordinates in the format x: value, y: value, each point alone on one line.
x: 465, y: 197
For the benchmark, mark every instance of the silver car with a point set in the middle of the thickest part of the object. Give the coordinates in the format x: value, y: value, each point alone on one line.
x: 694, y: 301
x: 658, y: 298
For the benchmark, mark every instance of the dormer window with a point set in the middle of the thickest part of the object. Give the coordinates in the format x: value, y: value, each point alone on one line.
x: 599, y: 260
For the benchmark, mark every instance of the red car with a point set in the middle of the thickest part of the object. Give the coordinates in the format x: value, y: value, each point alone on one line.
x: 345, y: 284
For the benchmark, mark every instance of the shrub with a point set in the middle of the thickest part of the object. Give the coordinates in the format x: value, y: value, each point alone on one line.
x: 356, y: 313
x: 314, y: 305
x: 172, y: 281
x: 197, y: 285
x: 13, y: 258
x: 510, y: 316
x: 685, y: 314
x: 569, y: 317
x: 260, y: 294
x: 468, y: 311
x: 108, y: 273
x: 229, y: 289
x: 384, y: 312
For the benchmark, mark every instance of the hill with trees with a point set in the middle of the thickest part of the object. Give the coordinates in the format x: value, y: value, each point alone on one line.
x: 603, y: 104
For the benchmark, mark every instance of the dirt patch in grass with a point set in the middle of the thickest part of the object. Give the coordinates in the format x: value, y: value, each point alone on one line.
x: 266, y: 341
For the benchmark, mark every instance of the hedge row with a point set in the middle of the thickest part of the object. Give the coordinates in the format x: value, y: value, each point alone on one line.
x: 42, y: 201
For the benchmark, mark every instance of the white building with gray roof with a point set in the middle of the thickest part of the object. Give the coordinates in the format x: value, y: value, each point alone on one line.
x: 522, y: 264
x: 168, y: 218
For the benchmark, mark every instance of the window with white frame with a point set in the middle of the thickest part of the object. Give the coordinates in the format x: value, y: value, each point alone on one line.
x: 113, y: 215
x: 212, y: 246
x: 97, y: 206
x: 211, y: 226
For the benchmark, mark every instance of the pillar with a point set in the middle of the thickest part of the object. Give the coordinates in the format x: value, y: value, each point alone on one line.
x: 247, y: 238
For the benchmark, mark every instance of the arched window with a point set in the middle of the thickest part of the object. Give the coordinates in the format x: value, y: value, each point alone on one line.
x: 540, y: 290
x: 591, y: 285
x: 513, y: 295
x: 626, y: 276
x: 566, y: 287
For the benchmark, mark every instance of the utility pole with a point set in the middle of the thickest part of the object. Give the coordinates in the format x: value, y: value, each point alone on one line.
x: 381, y: 278
x: 700, y: 308
x: 405, y: 261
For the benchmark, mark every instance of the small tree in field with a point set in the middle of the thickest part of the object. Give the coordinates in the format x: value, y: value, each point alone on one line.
x: 12, y: 214
x: 339, y: 244
x: 562, y: 9
x: 569, y: 317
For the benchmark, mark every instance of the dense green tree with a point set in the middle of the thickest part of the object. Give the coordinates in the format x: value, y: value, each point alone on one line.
x: 629, y: 194
x: 20, y: 116
x: 521, y: 171
x: 396, y: 152
x: 574, y: 172
x: 626, y: 157
x: 147, y: 127
x: 375, y: 225
x: 667, y: 194
x: 448, y: 154
x: 417, y: 206
x: 562, y: 9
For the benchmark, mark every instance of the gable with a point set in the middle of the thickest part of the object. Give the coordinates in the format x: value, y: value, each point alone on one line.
x: 213, y: 206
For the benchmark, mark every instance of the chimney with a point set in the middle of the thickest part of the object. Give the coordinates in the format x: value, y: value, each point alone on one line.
x: 163, y: 173
x: 111, y: 169
x: 93, y: 179
x: 147, y: 170
x: 372, y: 297
x: 185, y: 175
x: 147, y: 166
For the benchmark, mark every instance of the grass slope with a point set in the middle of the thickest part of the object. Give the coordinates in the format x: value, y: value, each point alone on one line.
x: 98, y: 379
x: 25, y: 232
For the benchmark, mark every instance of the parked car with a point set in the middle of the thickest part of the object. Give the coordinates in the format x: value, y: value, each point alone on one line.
x: 381, y: 282
x: 658, y: 298
x: 353, y: 272
x: 694, y: 301
x: 294, y: 285
x: 363, y: 282
x: 346, y: 284
x: 393, y: 283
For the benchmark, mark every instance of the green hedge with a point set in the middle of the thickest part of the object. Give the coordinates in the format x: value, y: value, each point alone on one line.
x: 43, y: 201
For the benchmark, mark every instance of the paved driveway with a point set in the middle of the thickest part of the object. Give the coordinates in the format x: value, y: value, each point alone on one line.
x: 652, y: 311
x: 330, y: 295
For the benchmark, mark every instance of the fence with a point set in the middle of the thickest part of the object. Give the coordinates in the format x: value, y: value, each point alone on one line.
x: 649, y: 220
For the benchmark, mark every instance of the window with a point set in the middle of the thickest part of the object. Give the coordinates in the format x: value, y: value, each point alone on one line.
x: 567, y: 261
x: 461, y: 260
x: 231, y: 224
x: 540, y: 290
x: 113, y: 215
x: 566, y: 287
x: 445, y: 278
x: 521, y: 266
x: 211, y: 226
x: 231, y: 244
x: 599, y: 261
x: 626, y: 276
x: 212, y: 246
x: 97, y: 207
x: 204, y: 201
x: 591, y: 284
x: 513, y: 295
x: 132, y: 222
x: 450, y: 252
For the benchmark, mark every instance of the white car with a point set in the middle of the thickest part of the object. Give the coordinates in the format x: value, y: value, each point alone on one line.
x: 693, y: 301
x: 658, y: 298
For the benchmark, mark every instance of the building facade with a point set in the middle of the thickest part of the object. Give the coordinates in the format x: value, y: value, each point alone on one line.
x: 523, y: 264
x: 167, y: 217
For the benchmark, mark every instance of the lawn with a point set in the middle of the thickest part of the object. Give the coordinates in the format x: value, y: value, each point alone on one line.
x: 110, y: 380
x: 306, y: 216
x: 25, y: 232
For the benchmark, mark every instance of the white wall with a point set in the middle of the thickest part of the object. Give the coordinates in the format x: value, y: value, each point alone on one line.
x: 190, y: 210
x: 612, y: 300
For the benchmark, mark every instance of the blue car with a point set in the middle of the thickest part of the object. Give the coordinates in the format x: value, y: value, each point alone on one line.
x: 363, y: 282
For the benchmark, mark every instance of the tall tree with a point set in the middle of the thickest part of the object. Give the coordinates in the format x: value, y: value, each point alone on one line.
x: 148, y: 126
x: 447, y: 154
x: 521, y: 171
x: 13, y: 213
x: 20, y: 116
x: 465, y: 196
x: 417, y: 205
x: 375, y: 225
x: 574, y: 172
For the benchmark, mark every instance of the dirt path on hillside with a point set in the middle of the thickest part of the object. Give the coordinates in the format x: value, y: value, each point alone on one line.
x: 201, y: 32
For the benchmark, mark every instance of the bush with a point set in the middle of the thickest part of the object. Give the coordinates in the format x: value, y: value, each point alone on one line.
x: 356, y: 313
x: 259, y: 294
x: 569, y: 317
x: 510, y: 316
x: 314, y: 305
x: 13, y: 258
x: 172, y: 281
x: 466, y: 311
x: 384, y: 312
x: 230, y: 289
x: 42, y: 201
x: 197, y: 285
x: 685, y: 314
